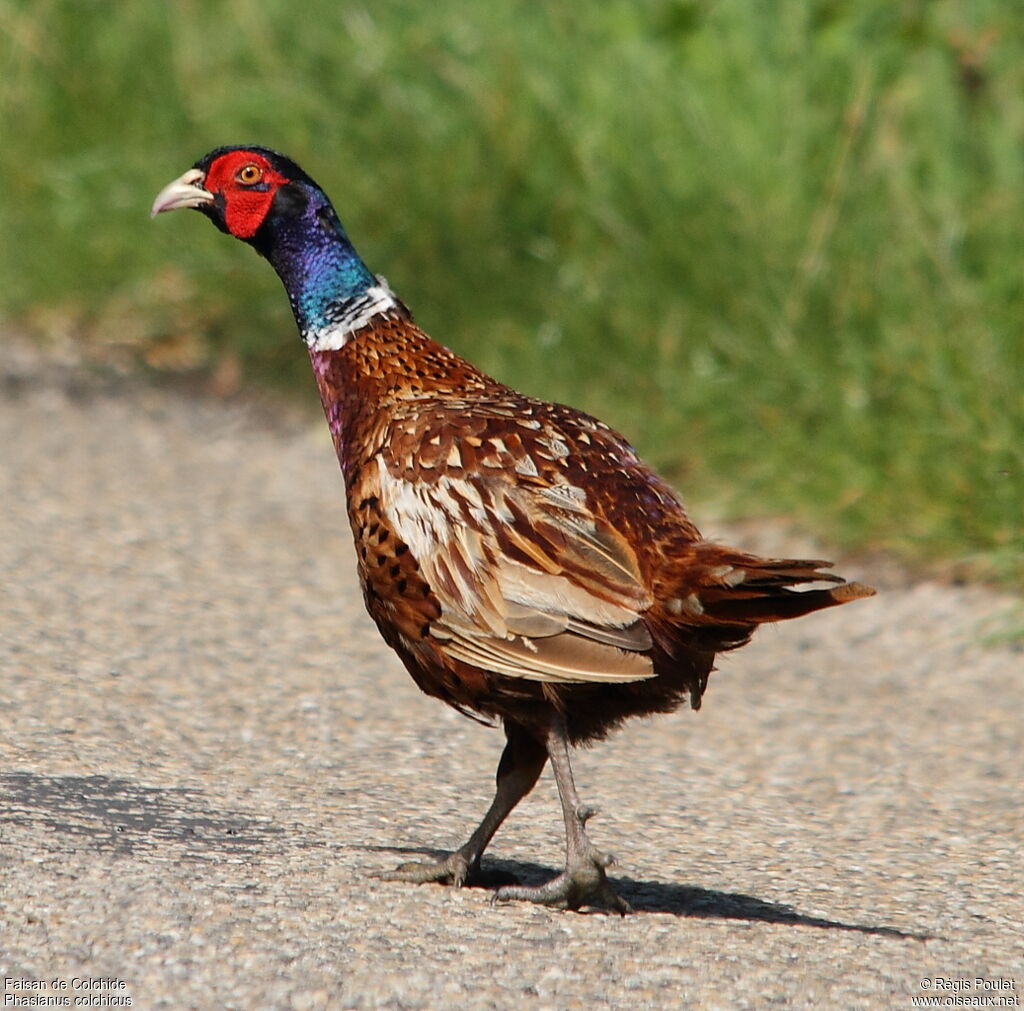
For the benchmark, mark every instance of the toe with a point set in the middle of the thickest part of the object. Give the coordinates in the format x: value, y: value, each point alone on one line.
x: 581, y: 886
x: 452, y: 870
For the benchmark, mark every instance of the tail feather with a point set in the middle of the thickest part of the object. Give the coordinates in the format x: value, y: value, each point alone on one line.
x: 719, y: 596
x: 777, y: 603
x: 716, y: 584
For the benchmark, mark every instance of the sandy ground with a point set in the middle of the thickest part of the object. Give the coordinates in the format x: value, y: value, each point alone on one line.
x: 207, y: 753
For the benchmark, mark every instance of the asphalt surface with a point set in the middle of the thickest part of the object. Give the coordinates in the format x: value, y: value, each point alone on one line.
x: 206, y: 754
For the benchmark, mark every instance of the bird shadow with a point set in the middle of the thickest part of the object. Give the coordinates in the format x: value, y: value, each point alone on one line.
x: 676, y: 900
x: 121, y: 816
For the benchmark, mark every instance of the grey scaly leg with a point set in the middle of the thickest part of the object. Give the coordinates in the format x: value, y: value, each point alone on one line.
x: 584, y: 877
x: 520, y: 766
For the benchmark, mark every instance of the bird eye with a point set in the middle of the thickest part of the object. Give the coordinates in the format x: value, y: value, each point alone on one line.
x: 249, y: 174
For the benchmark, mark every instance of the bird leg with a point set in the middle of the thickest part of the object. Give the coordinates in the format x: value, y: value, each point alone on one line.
x: 584, y: 879
x: 520, y: 767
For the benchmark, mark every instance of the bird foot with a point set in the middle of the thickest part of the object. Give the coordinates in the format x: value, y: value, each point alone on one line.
x: 455, y: 870
x: 583, y: 882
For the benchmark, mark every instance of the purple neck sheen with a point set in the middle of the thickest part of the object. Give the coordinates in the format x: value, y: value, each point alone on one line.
x: 321, y: 361
x: 307, y: 246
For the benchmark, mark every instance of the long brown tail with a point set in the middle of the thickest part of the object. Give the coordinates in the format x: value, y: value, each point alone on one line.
x: 745, y: 588
x: 713, y: 583
x: 720, y: 595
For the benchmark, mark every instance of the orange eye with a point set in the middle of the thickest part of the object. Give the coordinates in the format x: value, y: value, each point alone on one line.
x: 249, y: 174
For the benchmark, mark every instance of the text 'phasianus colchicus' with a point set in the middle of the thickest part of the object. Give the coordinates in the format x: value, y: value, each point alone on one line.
x: 517, y: 555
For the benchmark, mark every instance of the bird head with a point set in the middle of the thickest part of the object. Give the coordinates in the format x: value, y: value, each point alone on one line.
x: 267, y: 201
x: 240, y: 189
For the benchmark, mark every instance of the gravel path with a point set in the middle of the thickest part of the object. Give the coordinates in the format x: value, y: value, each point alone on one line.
x: 207, y: 752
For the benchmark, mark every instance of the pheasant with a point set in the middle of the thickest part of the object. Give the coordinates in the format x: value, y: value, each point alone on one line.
x: 522, y: 561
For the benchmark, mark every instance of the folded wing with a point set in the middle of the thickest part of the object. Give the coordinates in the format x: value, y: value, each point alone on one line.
x: 531, y: 583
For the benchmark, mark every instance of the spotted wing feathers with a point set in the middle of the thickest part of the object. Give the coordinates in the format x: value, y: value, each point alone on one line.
x: 530, y: 583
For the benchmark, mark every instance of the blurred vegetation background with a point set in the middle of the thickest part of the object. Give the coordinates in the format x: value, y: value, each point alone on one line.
x: 778, y: 244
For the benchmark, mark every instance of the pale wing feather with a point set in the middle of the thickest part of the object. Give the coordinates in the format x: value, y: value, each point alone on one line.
x: 560, y: 658
x: 604, y: 549
x: 571, y: 613
x: 597, y: 557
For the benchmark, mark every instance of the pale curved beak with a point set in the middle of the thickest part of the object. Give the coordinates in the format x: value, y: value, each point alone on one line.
x: 185, y: 191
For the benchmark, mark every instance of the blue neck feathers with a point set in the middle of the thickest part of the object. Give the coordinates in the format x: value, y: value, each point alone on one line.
x: 329, y: 287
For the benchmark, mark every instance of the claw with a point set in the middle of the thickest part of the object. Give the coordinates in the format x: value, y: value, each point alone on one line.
x: 615, y: 901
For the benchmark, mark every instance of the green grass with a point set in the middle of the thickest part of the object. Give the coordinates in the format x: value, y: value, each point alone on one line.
x: 781, y: 245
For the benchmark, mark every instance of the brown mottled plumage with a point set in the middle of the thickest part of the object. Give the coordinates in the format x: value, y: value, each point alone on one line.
x: 526, y: 505
x: 519, y: 557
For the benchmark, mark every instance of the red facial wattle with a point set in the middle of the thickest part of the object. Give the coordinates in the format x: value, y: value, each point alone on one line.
x: 246, y: 202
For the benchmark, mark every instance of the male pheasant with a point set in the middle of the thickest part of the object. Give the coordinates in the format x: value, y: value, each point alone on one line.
x: 518, y: 556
